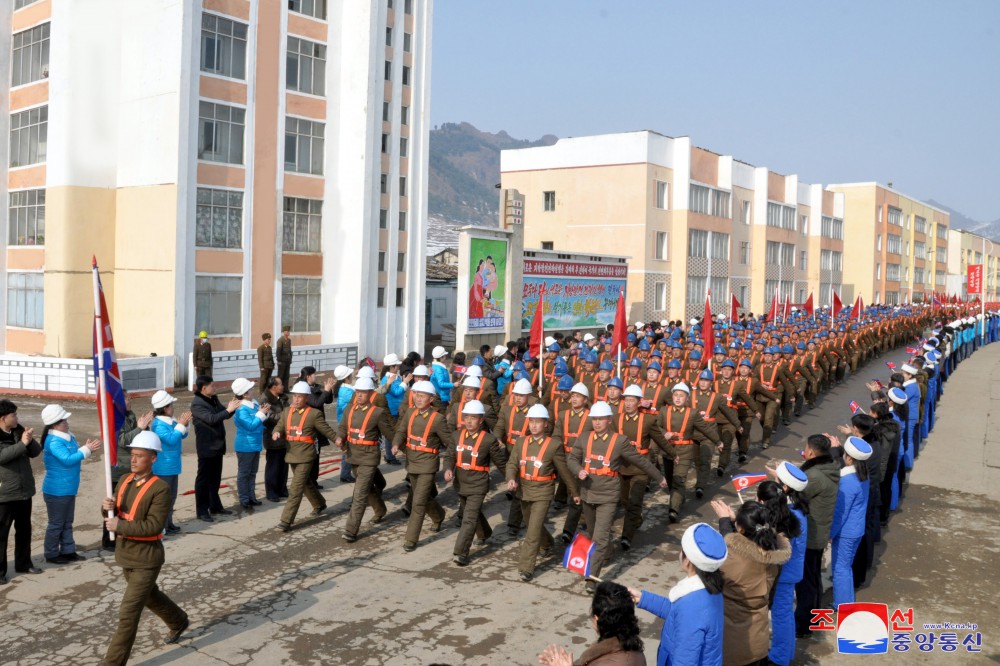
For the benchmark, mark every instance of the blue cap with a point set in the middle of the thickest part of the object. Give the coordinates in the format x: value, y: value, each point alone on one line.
x: 565, y: 383
x: 674, y: 363
x: 788, y: 349
x: 561, y: 367
x: 528, y: 357
x: 748, y: 344
x: 695, y: 355
x: 857, y: 448
x: 521, y: 375
x: 718, y: 349
x: 897, y: 395
x: 801, y: 345
x: 479, y: 361
x: 656, y: 353
x: 635, y: 363
x: 747, y: 362
x: 792, y: 476
x: 591, y: 357
x: 554, y: 347
x: 734, y: 345
x: 704, y: 547
x: 673, y: 344
x: 519, y: 367
x: 631, y: 337
x: 606, y: 365
x: 644, y: 345
x: 699, y: 343
x: 675, y: 334
x: 706, y: 374
x: 654, y: 366
x: 614, y: 381
x: 622, y: 356
x: 728, y: 363
x: 769, y: 350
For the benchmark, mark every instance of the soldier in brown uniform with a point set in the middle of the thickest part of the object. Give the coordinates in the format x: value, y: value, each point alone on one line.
x: 512, y: 424
x: 299, y: 427
x: 467, y: 461
x: 771, y: 384
x: 532, y: 469
x: 714, y: 412
x: 358, y: 435
x: 265, y: 361
x: 597, y: 460
x: 679, y: 422
x: 421, y: 434
x: 471, y: 389
x: 203, y: 356
x: 140, y: 505
x: 737, y: 392
x: 569, y: 426
x: 283, y: 354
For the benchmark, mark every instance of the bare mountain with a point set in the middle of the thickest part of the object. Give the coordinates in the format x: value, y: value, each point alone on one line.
x: 959, y: 221
x: 464, y: 171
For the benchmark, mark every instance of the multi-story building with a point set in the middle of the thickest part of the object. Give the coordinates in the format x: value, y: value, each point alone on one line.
x: 690, y: 220
x: 964, y: 249
x: 898, y: 245
x: 234, y: 165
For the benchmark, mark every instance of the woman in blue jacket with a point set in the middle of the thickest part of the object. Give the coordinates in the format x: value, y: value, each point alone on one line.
x: 849, y: 518
x: 171, y: 432
x: 441, y: 376
x: 788, y: 515
x: 249, y: 419
x: 692, y: 612
x: 913, y: 404
x: 900, y: 412
x: 63, y: 457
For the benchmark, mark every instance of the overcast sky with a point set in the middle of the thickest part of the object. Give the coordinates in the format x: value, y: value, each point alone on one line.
x: 903, y: 91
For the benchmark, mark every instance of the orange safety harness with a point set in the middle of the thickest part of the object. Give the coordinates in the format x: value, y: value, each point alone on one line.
x: 684, y: 423
x: 130, y: 514
x: 356, y: 435
x: 567, y: 433
x: 774, y: 373
x: 708, y: 410
x: 473, y: 452
x: 605, y: 469
x: 512, y: 434
x: 637, y: 442
x: 418, y: 443
x: 537, y: 461
x: 298, y: 436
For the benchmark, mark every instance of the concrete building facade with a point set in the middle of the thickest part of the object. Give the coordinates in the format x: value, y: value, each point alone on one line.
x: 235, y: 166
x: 688, y: 219
x: 966, y: 248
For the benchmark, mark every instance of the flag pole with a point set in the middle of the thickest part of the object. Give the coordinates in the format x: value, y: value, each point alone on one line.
x: 102, y: 387
x: 541, y: 344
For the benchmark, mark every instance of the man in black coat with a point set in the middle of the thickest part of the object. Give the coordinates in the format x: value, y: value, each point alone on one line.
x: 209, y: 416
x: 17, y: 486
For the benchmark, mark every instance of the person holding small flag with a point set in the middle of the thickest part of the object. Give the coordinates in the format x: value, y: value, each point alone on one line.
x: 692, y: 612
x: 848, y: 527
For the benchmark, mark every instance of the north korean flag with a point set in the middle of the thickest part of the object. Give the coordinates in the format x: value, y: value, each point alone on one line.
x: 744, y: 481
x: 577, y: 557
x: 855, y: 407
x: 890, y: 365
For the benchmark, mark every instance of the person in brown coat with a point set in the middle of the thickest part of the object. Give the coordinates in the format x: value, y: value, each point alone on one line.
x: 756, y: 553
x: 613, y: 616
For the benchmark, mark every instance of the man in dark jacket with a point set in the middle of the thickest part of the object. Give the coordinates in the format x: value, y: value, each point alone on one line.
x: 275, y: 467
x: 130, y: 428
x: 17, y: 487
x: 209, y: 416
x: 823, y: 473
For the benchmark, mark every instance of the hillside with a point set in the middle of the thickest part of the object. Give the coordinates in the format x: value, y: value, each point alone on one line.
x: 959, y: 221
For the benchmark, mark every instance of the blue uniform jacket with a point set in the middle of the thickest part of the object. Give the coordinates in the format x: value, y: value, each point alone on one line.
x: 249, y: 428
x: 395, y: 394
x: 171, y: 433
x: 441, y: 379
x: 912, y: 400
x: 852, y: 505
x: 344, y: 397
x: 791, y: 571
x: 63, y: 456
x: 692, y: 624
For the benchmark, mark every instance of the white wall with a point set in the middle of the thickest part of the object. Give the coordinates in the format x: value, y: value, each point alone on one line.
x: 443, y: 299
x: 228, y: 365
x: 76, y: 376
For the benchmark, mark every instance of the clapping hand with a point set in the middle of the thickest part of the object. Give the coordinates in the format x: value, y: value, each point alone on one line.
x: 145, y: 420
x: 723, y: 510
x: 185, y: 418
x: 555, y: 655
x: 26, y: 436
x: 233, y: 405
x: 94, y: 445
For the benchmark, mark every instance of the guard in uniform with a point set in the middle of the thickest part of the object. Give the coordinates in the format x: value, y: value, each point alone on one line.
x: 203, y: 356
x: 358, y: 435
x: 772, y: 383
x: 679, y: 422
x: 265, y: 361
x: 421, y: 435
x: 141, y: 504
x: 737, y: 392
x: 284, y: 354
x: 714, y: 412
x: 467, y: 461
x: 299, y: 427
x: 471, y: 389
x: 512, y: 424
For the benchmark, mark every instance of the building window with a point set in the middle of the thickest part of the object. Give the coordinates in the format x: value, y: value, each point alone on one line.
x: 219, y: 218
x: 549, y: 200
x: 29, y: 58
x: 304, y: 146
x: 895, y: 217
x: 697, y: 243
x: 661, y: 195
x: 406, y: 75
x: 661, y: 249
x: 404, y: 115
x: 303, y: 221
x: 918, y: 276
x: 802, y: 295
x: 719, y: 286
x: 699, y: 199
x: 381, y: 262
x: 744, y: 253
x: 383, y: 218
x: 388, y: 36
x: 720, y: 246
x: 919, y: 250
x: 220, y: 133
x: 380, y: 299
x: 407, y: 42
x: 29, y: 136
x: 402, y: 186
x: 919, y: 224
x: 892, y: 272
x: 802, y: 260
x: 830, y: 260
x: 400, y: 262
x: 709, y: 201
x: 878, y: 271
x: 223, y: 46
x: 788, y: 255
x: 26, y: 218
x: 305, y: 67
x: 404, y: 147
x: 660, y: 296
x: 399, y: 297
x: 878, y: 243
x: 408, y: 7
x: 25, y: 300
x: 301, y: 303
x: 832, y: 227
x: 314, y: 8
x: 386, y: 112
x: 696, y: 289
x: 894, y: 244
x: 746, y: 214
x: 805, y: 225
x: 23, y: 3
x: 384, y: 184
x: 218, y: 304
x: 388, y: 70
x: 385, y: 143
x: 548, y: 245
x: 402, y: 220
x: 744, y: 296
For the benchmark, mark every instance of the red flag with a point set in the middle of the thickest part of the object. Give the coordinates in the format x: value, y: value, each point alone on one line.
x: 855, y: 407
x: 744, y: 481
x: 772, y: 314
x: 786, y: 315
x: 537, y: 335
x: 619, y: 338
x: 108, y: 379
x: 707, y: 331
x: 577, y: 556
x: 890, y: 365
x: 807, y: 307
x: 734, y: 306
x: 838, y: 305
x: 858, y: 308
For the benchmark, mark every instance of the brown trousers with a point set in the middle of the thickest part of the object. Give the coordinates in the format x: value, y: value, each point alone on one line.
x: 140, y: 592
x: 300, y: 485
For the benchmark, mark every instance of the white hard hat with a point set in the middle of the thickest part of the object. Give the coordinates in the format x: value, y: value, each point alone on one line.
x: 364, y: 384
x: 474, y: 407
x: 424, y: 387
x: 53, y: 414
x: 632, y: 391
x: 146, y: 439
x: 240, y: 386
x: 549, y: 341
x: 664, y: 322
x: 600, y: 410
x: 301, y: 388
x: 681, y: 386
x: 794, y: 309
x: 439, y: 352
x: 694, y: 320
x: 538, y: 412
x: 587, y: 337
x: 499, y: 350
x: 474, y: 371
x: 342, y: 372
x: 723, y: 317
x: 421, y: 371
x: 391, y: 359
x: 366, y: 371
x: 471, y: 382
x: 580, y: 388
x: 639, y: 324
x: 161, y: 399
x: 521, y: 387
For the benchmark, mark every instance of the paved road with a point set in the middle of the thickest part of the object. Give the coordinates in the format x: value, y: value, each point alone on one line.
x: 259, y: 596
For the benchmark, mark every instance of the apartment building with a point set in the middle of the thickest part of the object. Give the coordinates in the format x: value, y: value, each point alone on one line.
x: 690, y: 220
x: 964, y: 249
x: 899, y: 245
x: 234, y: 165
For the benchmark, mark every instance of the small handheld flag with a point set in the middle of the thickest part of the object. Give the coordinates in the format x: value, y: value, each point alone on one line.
x: 744, y: 481
x: 912, y: 351
x: 878, y: 383
x: 855, y: 407
x: 890, y: 365
x: 577, y: 557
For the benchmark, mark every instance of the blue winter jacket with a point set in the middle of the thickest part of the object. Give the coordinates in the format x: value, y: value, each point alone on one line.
x: 395, y: 394
x: 791, y: 571
x: 441, y: 378
x: 692, y: 624
x: 852, y: 503
x: 344, y: 397
x: 912, y: 400
x: 504, y: 379
x: 63, y: 456
x: 249, y: 428
x: 170, y: 432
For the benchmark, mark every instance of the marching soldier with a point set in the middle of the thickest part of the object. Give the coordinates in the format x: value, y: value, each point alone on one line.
x: 772, y: 383
x: 141, y: 504
x: 679, y: 422
x: 203, y: 356
x: 265, y: 361
x: 472, y: 389
x: 284, y: 354
x: 512, y: 424
x: 714, y: 412
x: 467, y: 461
x: 358, y: 435
x: 737, y: 392
x: 568, y: 427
